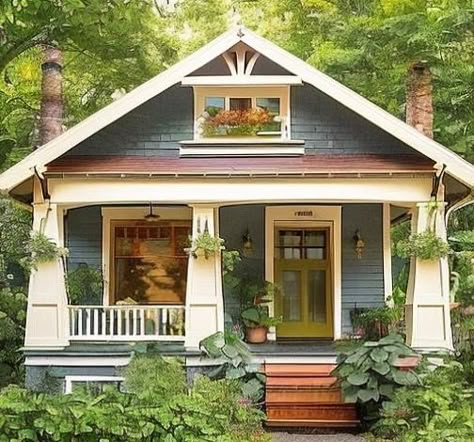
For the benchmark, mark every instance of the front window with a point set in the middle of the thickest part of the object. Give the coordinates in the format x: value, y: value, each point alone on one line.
x: 149, y: 262
x: 242, y: 112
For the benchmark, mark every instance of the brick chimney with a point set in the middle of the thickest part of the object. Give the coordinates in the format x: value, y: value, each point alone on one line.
x: 419, y: 98
x: 52, y: 105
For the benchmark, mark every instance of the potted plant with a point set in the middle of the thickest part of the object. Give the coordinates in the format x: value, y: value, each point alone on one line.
x: 204, y: 244
x: 426, y: 246
x: 257, y: 322
x: 255, y: 314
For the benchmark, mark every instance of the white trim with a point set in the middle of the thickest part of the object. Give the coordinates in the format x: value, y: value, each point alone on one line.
x: 456, y: 166
x: 77, y: 361
x: 190, y: 150
x: 68, y: 380
x: 387, y: 252
x: 246, y: 81
x: 110, y: 214
x: 320, y: 216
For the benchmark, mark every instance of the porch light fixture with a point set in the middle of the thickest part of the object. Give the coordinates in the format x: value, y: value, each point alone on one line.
x: 247, y: 243
x: 359, y: 244
x: 151, y: 217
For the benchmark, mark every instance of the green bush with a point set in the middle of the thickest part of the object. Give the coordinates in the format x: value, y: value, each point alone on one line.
x: 426, y: 246
x: 369, y: 375
x: 12, y: 329
x: 158, y: 406
x: 442, y: 410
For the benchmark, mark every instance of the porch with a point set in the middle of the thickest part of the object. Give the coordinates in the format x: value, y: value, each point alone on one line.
x: 183, y: 299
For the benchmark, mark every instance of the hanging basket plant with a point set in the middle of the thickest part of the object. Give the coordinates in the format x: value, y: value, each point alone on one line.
x: 42, y: 249
x: 205, y: 245
x: 426, y: 246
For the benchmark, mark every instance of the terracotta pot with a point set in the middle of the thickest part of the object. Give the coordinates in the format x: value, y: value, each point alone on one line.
x: 256, y: 335
x: 407, y: 363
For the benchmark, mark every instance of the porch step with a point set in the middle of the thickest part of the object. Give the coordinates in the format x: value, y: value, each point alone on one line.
x: 306, y: 395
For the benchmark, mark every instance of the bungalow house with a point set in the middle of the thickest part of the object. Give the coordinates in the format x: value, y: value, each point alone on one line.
x: 246, y: 142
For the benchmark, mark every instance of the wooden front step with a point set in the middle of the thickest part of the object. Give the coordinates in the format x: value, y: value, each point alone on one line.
x: 306, y: 395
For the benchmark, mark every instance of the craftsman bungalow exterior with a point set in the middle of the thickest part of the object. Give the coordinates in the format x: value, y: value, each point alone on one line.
x: 123, y: 190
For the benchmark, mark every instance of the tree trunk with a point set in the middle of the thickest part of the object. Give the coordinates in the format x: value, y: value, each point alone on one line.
x: 52, y: 106
x: 419, y: 98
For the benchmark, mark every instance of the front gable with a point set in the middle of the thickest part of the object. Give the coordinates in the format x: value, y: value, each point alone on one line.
x: 324, y: 117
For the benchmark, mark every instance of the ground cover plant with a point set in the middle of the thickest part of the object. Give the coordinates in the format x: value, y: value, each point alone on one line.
x: 158, y: 405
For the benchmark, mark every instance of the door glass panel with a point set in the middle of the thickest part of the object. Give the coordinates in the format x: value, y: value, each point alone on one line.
x: 291, y: 296
x: 317, y: 295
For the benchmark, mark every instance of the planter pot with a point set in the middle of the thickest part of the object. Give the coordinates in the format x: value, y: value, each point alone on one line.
x: 407, y: 363
x: 454, y: 305
x: 256, y: 335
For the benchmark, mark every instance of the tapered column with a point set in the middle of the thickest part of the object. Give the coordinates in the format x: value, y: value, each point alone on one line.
x: 46, y: 323
x: 428, y: 320
x: 204, y: 302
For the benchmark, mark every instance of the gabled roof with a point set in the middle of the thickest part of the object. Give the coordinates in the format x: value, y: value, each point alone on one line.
x: 455, y: 165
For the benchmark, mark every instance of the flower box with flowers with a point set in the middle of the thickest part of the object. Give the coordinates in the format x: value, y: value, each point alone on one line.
x: 236, y: 123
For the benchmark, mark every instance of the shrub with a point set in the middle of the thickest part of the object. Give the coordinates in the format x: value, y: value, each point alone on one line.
x: 158, y: 406
x: 441, y: 410
x: 235, y: 363
x: 12, y: 329
x: 369, y: 375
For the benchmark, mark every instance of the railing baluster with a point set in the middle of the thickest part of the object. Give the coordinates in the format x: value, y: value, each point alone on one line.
x: 104, y: 322
x: 119, y: 322
x: 142, y: 321
x: 156, y: 312
x: 127, y: 322
x: 111, y: 322
x: 80, y: 322
x: 96, y: 321
x: 135, y: 323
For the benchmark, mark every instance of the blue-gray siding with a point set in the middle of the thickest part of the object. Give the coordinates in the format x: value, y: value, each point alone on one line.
x: 84, y: 236
x: 330, y: 128
x: 156, y: 127
x: 362, y: 279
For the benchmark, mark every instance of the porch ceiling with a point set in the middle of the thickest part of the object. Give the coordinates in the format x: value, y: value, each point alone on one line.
x: 310, y: 165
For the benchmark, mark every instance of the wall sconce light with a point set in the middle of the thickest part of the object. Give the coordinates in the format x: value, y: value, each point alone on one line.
x: 359, y: 244
x: 247, y: 244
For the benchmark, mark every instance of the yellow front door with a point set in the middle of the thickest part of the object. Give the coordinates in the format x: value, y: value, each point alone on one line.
x: 303, y: 273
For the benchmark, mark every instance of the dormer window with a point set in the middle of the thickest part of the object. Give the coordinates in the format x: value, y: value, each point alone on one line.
x: 260, y: 113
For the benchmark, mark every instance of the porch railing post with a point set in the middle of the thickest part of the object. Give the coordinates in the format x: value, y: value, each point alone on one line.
x: 47, y: 323
x: 428, y: 319
x: 204, y: 302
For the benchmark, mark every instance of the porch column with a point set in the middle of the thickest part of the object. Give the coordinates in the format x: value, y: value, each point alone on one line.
x: 204, y: 302
x: 47, y: 320
x: 428, y: 321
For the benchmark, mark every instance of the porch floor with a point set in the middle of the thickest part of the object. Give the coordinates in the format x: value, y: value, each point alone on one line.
x: 295, y: 348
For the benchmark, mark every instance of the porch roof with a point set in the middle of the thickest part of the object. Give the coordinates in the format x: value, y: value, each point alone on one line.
x: 311, y: 165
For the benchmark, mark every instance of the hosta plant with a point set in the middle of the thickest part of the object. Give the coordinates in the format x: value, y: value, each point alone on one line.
x: 369, y: 372
x: 235, y: 362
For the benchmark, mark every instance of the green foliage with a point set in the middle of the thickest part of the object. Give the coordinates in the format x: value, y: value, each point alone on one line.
x: 255, y: 296
x: 258, y: 316
x: 12, y: 328
x: 235, y: 363
x: 204, y: 244
x: 442, y: 410
x: 426, y: 246
x: 158, y: 406
x: 41, y: 249
x: 369, y: 374
x: 85, y: 285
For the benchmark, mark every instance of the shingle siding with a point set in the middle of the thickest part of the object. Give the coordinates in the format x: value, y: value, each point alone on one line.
x: 329, y: 127
x: 156, y: 127
x: 84, y: 236
x: 153, y: 129
x: 362, y: 279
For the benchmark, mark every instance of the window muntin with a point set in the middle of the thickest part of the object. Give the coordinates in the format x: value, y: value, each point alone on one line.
x: 273, y: 123
x: 149, y: 262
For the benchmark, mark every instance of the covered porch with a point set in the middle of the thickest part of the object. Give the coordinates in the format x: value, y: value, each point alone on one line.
x: 273, y: 212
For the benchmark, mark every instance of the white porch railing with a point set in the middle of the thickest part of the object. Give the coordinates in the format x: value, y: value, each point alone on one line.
x: 126, y: 323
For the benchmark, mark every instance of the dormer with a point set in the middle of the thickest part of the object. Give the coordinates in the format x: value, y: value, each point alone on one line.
x: 242, y: 106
